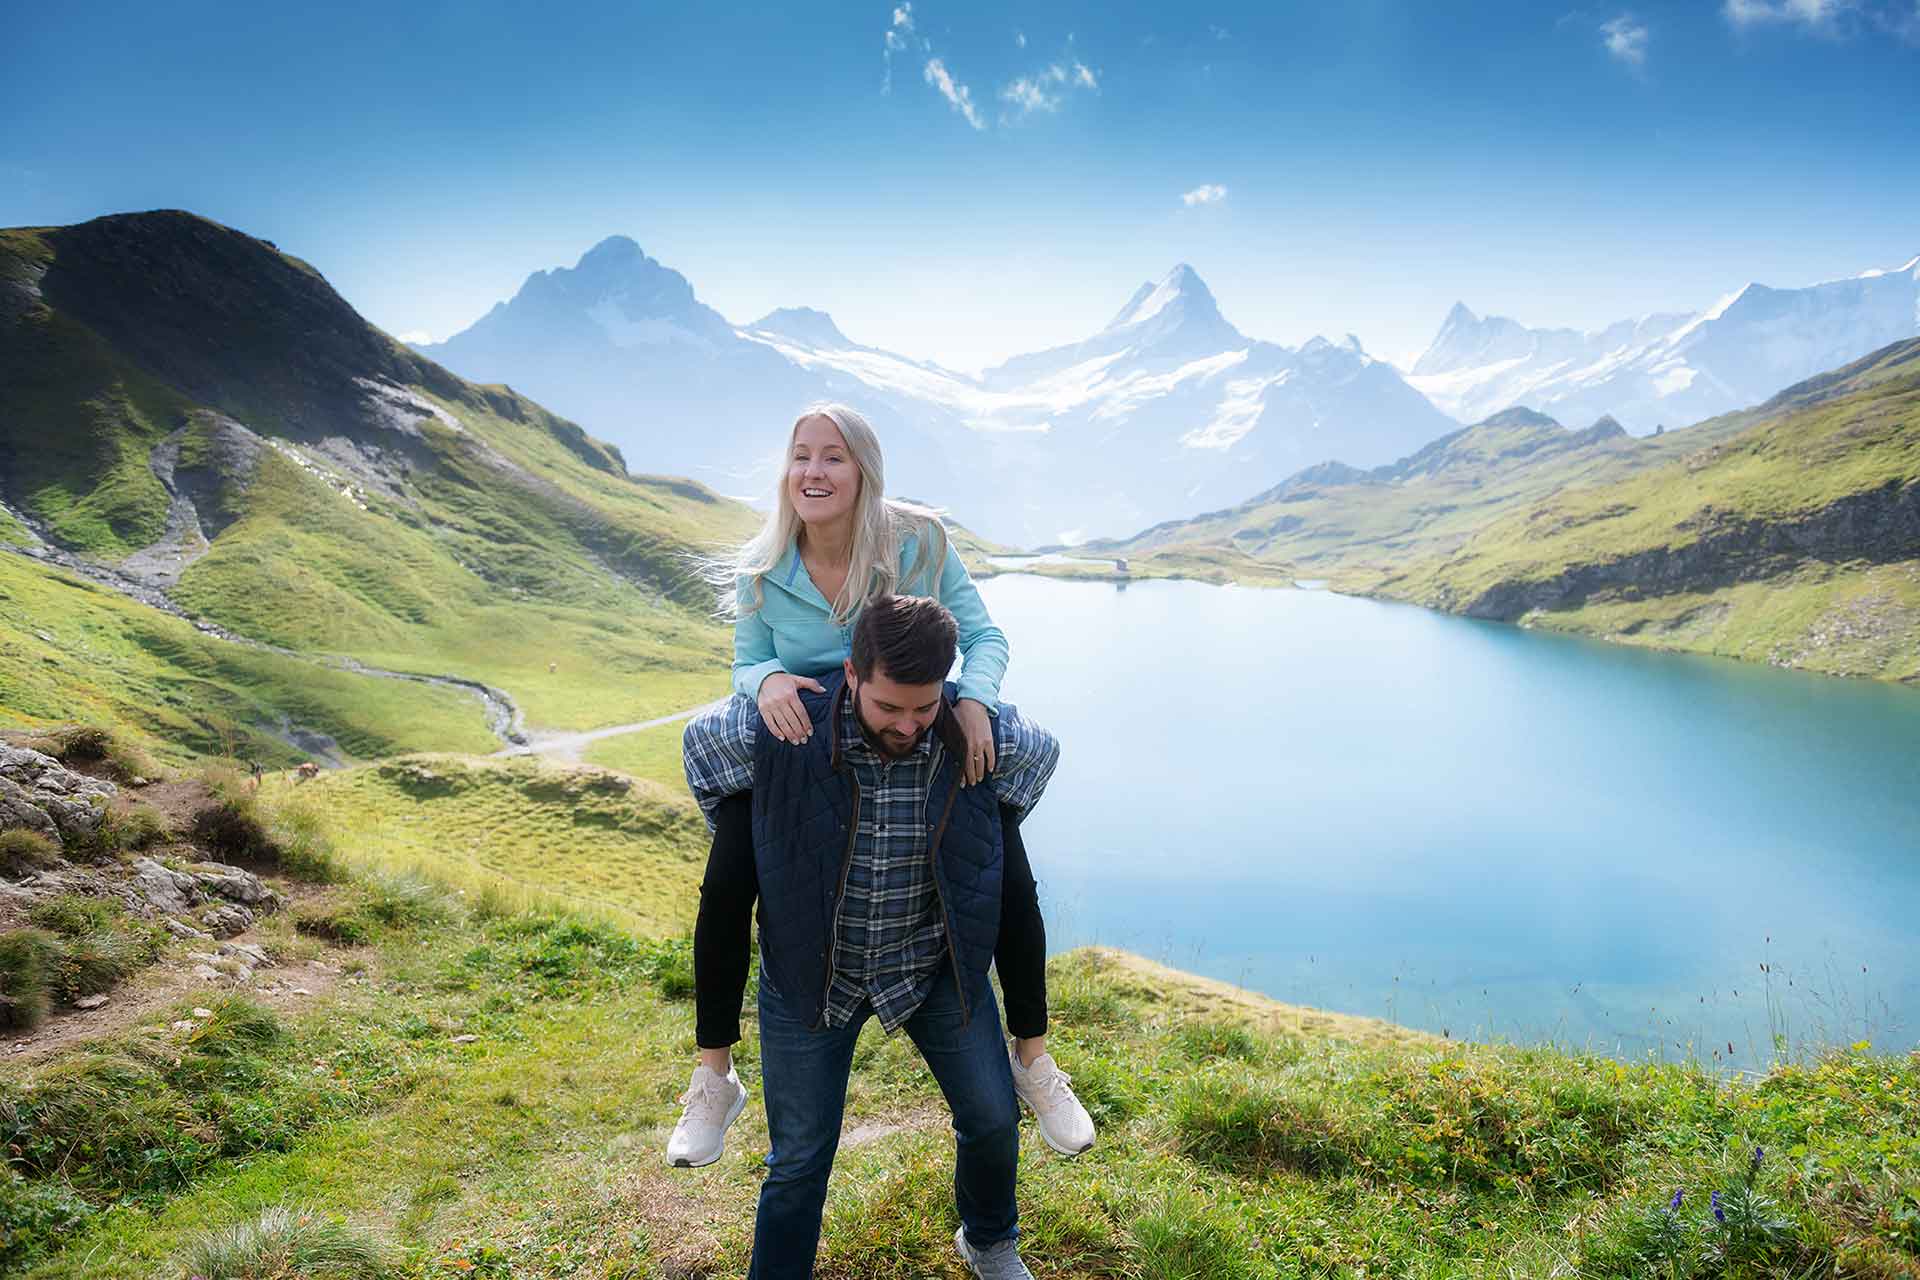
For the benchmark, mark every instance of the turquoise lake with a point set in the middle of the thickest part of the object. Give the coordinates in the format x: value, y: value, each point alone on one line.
x: 1473, y: 828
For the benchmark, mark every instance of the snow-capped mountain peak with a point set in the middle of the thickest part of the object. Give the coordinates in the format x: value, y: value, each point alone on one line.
x: 1181, y: 290
x: 1670, y: 368
x: 805, y: 325
x: 1911, y: 265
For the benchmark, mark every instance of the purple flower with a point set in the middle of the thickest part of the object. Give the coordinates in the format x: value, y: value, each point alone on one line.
x: 1673, y: 1205
x: 1759, y: 1154
x: 1719, y: 1214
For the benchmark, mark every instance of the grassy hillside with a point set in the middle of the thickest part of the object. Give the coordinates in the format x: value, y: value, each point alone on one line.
x: 71, y: 649
x: 186, y: 403
x: 1786, y: 533
x: 589, y: 840
x: 1795, y: 542
x: 1353, y: 527
x: 485, y: 1088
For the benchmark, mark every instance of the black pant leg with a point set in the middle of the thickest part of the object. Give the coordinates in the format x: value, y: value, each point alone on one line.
x: 723, y: 931
x: 1020, y: 953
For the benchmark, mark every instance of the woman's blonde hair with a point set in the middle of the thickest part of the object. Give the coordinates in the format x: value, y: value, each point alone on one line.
x: 880, y: 526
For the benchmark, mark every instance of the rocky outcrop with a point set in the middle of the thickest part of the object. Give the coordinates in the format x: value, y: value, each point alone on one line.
x: 1875, y: 527
x: 41, y: 794
x: 202, y: 900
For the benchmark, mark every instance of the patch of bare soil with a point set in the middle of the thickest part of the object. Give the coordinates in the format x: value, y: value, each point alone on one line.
x: 286, y: 984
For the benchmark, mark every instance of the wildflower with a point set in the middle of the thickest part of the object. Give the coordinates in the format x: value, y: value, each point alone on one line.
x: 1719, y: 1214
x: 1759, y: 1154
x: 1673, y: 1205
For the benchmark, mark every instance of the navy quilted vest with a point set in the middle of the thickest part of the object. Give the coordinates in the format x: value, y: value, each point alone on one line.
x: 805, y: 811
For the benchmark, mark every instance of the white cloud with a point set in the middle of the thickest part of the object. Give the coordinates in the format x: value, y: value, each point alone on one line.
x: 1020, y: 38
x: 1812, y: 13
x: 1029, y: 97
x: 1626, y: 39
x: 956, y: 94
x: 1210, y: 193
x: 416, y: 337
x: 1045, y: 90
x: 1218, y: 32
x: 1835, y: 19
x: 896, y: 41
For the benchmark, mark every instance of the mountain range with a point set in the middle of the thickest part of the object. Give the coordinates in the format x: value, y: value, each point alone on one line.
x: 1787, y: 533
x: 1668, y: 369
x: 1165, y: 409
x: 196, y: 419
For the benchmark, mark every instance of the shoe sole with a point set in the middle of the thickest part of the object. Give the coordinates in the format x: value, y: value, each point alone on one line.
x: 960, y: 1247
x: 733, y: 1113
x: 1068, y: 1152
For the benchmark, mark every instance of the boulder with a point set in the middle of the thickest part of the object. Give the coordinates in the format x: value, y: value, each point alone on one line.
x: 217, y: 879
x: 40, y: 793
x: 164, y: 890
x: 224, y: 919
x: 247, y: 953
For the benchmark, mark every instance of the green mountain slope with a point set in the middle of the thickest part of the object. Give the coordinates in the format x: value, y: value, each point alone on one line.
x: 1354, y: 527
x: 1785, y: 533
x: 187, y: 406
x: 1795, y: 542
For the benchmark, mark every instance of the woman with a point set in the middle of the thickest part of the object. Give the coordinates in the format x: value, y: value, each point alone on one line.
x: 832, y: 542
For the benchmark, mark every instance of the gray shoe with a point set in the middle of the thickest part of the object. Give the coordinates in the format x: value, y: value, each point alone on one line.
x: 995, y: 1262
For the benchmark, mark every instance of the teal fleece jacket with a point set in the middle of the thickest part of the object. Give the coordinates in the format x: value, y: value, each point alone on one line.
x: 793, y: 629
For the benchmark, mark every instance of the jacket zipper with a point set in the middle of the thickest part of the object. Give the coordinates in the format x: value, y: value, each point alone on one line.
x: 933, y: 859
x: 840, y: 898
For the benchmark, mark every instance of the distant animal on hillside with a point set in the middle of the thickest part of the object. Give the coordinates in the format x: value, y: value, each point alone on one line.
x: 307, y: 771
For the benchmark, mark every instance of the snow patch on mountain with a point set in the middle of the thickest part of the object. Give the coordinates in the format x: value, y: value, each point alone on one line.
x: 623, y: 330
x: 1669, y: 369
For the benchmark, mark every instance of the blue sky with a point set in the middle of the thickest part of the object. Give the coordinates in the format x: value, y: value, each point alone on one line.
x: 967, y: 181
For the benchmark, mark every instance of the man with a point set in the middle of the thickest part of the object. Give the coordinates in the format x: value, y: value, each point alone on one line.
x: 880, y: 887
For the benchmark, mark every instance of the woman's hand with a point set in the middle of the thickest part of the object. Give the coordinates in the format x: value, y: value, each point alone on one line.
x: 978, y: 726
x: 781, y: 708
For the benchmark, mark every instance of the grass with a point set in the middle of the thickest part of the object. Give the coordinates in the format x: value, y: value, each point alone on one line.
x: 510, y: 548
x: 92, y: 744
x: 491, y: 1097
x: 27, y: 962
x: 70, y: 649
x: 653, y: 754
x: 1713, y: 583
x: 1354, y: 527
x: 23, y: 852
x: 78, y: 946
x: 595, y: 842
x: 281, y: 1243
x: 1668, y: 532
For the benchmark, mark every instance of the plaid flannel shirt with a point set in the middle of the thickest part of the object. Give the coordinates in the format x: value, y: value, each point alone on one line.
x: 889, y: 936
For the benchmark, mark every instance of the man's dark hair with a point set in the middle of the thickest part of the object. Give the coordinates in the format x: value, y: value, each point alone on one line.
x: 910, y: 639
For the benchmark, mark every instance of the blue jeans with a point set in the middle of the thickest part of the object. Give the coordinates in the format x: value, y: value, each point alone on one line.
x: 803, y: 1074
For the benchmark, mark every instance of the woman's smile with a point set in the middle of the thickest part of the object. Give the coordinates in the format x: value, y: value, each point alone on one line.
x: 822, y: 478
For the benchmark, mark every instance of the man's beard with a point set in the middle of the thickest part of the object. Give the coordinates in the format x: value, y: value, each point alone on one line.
x: 885, y: 743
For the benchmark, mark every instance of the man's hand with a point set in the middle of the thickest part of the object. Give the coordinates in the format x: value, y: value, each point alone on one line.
x: 978, y: 726
x: 780, y: 706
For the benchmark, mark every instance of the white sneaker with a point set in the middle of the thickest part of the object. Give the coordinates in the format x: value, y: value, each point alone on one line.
x: 1064, y: 1123
x: 710, y: 1104
x: 996, y: 1262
